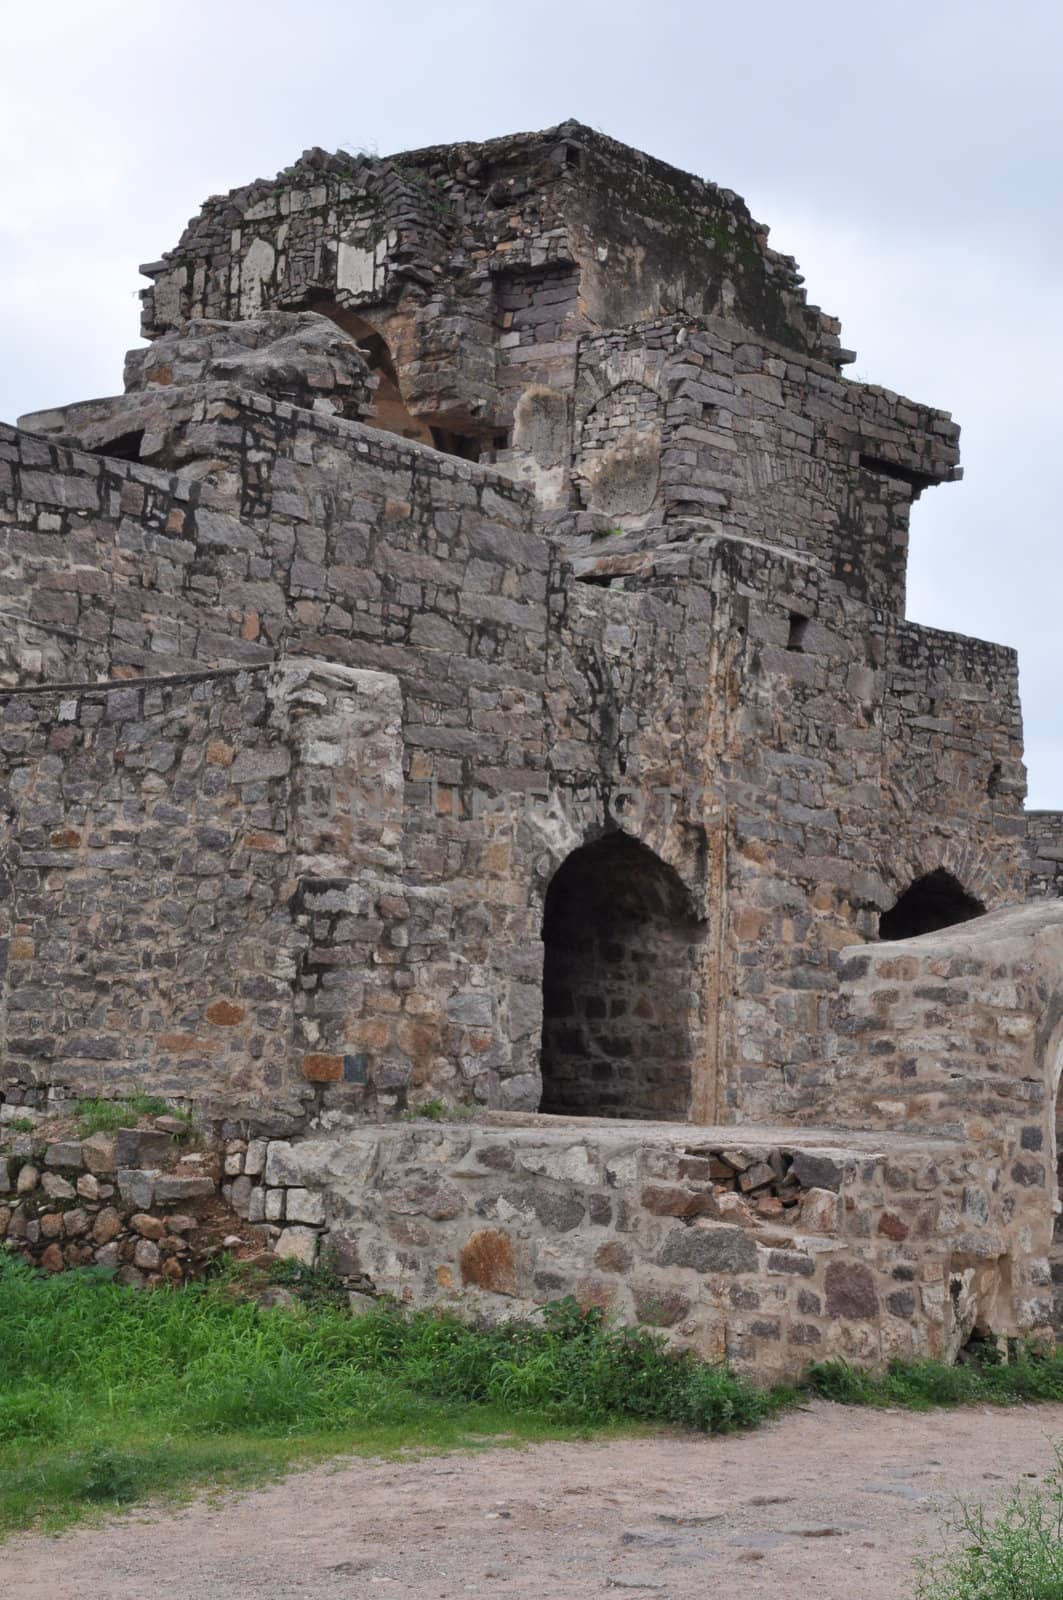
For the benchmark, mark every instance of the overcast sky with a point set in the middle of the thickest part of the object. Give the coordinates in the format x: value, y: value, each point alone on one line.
x: 908, y: 155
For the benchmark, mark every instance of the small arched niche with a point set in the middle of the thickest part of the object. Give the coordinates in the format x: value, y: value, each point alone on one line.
x: 620, y: 984
x: 392, y: 415
x: 935, y: 901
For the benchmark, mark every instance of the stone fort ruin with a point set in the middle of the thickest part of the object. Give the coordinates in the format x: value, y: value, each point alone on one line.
x: 467, y: 669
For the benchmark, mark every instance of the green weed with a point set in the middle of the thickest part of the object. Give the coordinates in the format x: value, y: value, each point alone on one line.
x: 1015, y: 1555
x: 1030, y: 1373
x: 440, y: 1111
x: 107, y: 1116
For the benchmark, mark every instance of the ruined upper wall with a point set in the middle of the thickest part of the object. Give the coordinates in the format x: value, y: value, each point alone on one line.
x: 645, y: 236
x: 469, y: 272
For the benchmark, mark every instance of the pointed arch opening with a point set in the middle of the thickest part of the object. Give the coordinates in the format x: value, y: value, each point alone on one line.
x: 391, y: 413
x: 935, y: 901
x: 620, y: 985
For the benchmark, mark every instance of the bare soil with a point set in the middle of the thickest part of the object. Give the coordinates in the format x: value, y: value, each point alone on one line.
x: 827, y: 1502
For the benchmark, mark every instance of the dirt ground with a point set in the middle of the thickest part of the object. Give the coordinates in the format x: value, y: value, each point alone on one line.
x: 827, y: 1502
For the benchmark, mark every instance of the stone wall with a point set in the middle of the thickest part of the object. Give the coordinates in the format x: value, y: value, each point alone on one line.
x: 139, y: 1202
x: 202, y: 876
x: 471, y: 269
x: 145, y: 865
x: 817, y: 782
x: 775, y: 1251
x: 705, y: 428
x: 1044, y: 847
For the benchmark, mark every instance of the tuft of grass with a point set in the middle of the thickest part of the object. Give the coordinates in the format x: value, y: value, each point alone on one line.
x: 440, y: 1111
x: 107, y: 1116
x: 1029, y: 1373
x: 1015, y: 1555
x: 19, y: 1125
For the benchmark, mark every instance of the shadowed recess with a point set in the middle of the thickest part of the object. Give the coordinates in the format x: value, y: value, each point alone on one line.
x: 935, y: 901
x: 619, y: 984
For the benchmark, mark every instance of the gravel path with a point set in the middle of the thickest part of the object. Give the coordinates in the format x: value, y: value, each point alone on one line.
x: 827, y: 1503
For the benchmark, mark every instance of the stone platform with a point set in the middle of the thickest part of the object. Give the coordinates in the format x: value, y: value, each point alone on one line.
x: 770, y: 1246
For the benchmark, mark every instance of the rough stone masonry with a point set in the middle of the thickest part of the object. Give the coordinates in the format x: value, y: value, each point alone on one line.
x: 467, y: 669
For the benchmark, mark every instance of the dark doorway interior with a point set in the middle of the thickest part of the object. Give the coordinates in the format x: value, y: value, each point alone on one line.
x: 620, y: 985
x: 935, y: 901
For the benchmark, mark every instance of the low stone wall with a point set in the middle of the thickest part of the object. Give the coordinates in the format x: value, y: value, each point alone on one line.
x: 135, y: 1201
x: 763, y: 1246
x: 767, y: 1247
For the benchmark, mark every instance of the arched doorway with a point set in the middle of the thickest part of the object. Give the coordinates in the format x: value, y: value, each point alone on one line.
x: 391, y: 412
x: 620, y: 985
x: 937, y: 900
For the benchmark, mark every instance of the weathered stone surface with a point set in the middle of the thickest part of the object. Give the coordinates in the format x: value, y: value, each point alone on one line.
x: 850, y: 1290
x: 57, y: 1188
x: 669, y: 1202
x: 297, y: 1244
x: 170, y: 1188
x: 99, y: 1153
x: 488, y: 1261
x: 814, y: 1170
x: 304, y: 1205
x: 819, y: 1211
x: 710, y: 1249
x: 107, y: 1226
x: 141, y: 1147
x: 147, y: 1226
x: 137, y: 1188
x: 64, y: 1154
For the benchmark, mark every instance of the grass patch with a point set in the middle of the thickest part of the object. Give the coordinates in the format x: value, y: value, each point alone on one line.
x: 1029, y: 1373
x: 107, y: 1116
x: 440, y: 1111
x: 18, y: 1125
x: 1015, y: 1555
x: 110, y: 1395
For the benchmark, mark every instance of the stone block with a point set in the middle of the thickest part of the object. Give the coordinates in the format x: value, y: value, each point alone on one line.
x: 57, y: 1188
x: 488, y: 1261
x: 141, y: 1147
x: 66, y: 1153
x: 148, y: 1227
x: 710, y: 1249
x: 107, y: 1226
x: 305, y: 1205
x: 663, y: 1200
x: 819, y: 1211
x: 255, y: 1158
x: 282, y: 1165
x: 170, y: 1188
x: 850, y: 1291
x: 137, y: 1187
x: 100, y: 1154
x: 814, y: 1170
x: 297, y: 1244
